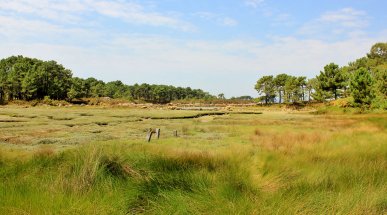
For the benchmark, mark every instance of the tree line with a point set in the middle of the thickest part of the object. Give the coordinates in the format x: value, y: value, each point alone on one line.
x: 23, y: 78
x: 91, y: 87
x: 363, y: 81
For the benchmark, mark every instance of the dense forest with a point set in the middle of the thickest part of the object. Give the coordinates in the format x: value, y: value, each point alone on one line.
x: 363, y: 82
x: 23, y: 78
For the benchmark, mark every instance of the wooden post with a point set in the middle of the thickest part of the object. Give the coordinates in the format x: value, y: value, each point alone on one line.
x: 151, y: 132
x: 175, y: 133
x: 158, y: 133
x: 149, y: 135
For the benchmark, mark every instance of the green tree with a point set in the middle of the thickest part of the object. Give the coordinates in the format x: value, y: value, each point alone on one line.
x: 310, y: 85
x: 292, y: 89
x: 78, y: 89
x: 93, y: 87
x: 160, y: 94
x: 330, y: 81
x: 362, y: 87
x: 380, y: 87
x: 301, y: 81
x: 56, y: 80
x: 116, y: 89
x: 266, y: 86
x: 378, y: 52
x: 3, y: 83
x: 30, y: 86
x: 27, y: 78
x: 15, y: 78
x: 280, y: 81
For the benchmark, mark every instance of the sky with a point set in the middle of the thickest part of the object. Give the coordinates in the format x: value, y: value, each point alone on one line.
x: 220, y: 46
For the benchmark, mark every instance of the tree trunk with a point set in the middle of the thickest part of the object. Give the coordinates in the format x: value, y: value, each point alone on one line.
x: 280, y: 96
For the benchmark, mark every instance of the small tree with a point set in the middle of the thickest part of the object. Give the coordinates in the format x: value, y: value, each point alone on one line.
x: 331, y: 80
x: 302, y: 84
x: 378, y: 52
x: 279, y: 82
x: 292, y: 89
x: 362, y: 87
x: 266, y: 86
x: 310, y: 85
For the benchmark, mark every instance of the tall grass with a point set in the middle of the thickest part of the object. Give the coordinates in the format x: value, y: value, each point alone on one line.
x: 275, y: 163
x: 94, y: 179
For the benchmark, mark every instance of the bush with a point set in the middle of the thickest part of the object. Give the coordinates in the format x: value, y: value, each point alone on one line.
x: 344, y: 102
x: 46, y: 100
x: 380, y: 102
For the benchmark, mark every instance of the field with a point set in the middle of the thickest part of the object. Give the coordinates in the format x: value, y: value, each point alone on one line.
x: 95, y: 160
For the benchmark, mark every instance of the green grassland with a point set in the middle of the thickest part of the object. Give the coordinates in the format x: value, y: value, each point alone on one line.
x: 95, y: 160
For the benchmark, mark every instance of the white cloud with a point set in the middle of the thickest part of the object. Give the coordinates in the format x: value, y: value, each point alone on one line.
x: 63, y: 11
x: 14, y: 29
x: 135, y: 13
x: 72, y: 11
x: 282, y: 19
x: 254, y: 3
x: 218, y: 19
x: 14, y: 26
x: 344, y: 22
x: 227, y: 21
x: 206, y: 15
x: 346, y: 17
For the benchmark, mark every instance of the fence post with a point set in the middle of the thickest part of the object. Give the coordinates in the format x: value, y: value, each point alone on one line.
x: 149, y: 135
x: 158, y: 133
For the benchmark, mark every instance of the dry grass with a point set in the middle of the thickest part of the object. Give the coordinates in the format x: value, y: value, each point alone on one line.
x: 286, y: 142
x: 44, y: 151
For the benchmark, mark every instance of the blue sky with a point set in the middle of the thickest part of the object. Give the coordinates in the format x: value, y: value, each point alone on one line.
x: 221, y: 46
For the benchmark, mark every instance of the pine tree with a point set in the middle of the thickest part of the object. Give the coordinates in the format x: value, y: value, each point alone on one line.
x: 362, y: 87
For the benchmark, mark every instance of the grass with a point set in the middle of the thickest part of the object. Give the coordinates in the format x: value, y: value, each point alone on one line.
x: 273, y: 163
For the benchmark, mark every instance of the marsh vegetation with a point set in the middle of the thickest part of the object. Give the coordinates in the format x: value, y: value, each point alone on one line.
x: 95, y: 160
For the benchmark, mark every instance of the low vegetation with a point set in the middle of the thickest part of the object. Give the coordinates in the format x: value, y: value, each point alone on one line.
x: 95, y: 160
